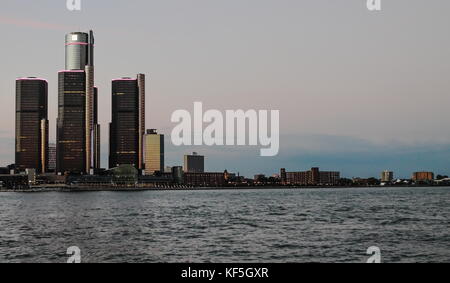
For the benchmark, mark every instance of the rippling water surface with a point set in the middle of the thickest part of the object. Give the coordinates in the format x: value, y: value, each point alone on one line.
x: 314, y: 225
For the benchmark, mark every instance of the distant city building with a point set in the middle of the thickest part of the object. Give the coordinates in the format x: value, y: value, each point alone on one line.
x: 31, y: 173
x: 313, y: 177
x: 52, y: 157
x: 177, y: 174
x: 283, y: 176
x: 423, y: 176
x: 128, y: 122
x: 14, y: 181
x: 387, y: 176
x: 229, y: 176
x: 260, y: 178
x: 31, y: 124
x: 154, y: 152
x: 194, y: 163
x: 366, y: 182
x: 202, y: 179
x: 329, y: 178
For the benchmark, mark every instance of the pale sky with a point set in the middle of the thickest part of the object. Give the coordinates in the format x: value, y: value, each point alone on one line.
x: 357, y: 91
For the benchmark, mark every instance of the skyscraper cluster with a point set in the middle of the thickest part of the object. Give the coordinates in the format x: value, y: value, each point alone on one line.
x: 78, y: 130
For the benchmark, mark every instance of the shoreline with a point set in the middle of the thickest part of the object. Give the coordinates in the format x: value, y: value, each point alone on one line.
x: 74, y: 189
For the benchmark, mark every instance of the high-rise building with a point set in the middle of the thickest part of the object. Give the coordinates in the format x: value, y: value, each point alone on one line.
x: 31, y: 124
x: 96, y: 133
x: 52, y: 157
x: 127, y: 122
x: 387, y: 176
x: 71, y: 123
x: 194, y: 163
x: 154, y: 152
x: 79, y: 61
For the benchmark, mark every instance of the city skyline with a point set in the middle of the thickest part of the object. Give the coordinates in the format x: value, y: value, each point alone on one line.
x: 374, y: 116
x: 258, y: 132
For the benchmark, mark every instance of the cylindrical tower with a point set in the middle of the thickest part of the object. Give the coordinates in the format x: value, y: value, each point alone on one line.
x: 77, y: 50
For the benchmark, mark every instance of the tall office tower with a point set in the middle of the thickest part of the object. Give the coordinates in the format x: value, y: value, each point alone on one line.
x: 79, y: 60
x: 31, y: 124
x: 52, y: 157
x: 96, y: 133
x: 125, y: 134
x: 71, y: 122
x: 194, y: 163
x: 154, y: 152
x: 80, y: 57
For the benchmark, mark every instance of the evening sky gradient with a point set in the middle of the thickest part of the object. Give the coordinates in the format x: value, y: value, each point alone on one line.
x: 357, y: 91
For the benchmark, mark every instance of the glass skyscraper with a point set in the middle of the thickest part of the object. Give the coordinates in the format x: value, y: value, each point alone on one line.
x: 77, y: 108
x: 70, y: 146
x: 31, y: 124
x: 127, y: 122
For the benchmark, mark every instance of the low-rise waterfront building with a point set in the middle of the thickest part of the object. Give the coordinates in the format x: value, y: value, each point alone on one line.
x: 204, y: 179
x: 423, y: 176
x: 313, y: 177
x: 14, y: 181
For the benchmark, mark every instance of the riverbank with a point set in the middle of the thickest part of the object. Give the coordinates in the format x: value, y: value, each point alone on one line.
x: 71, y: 189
